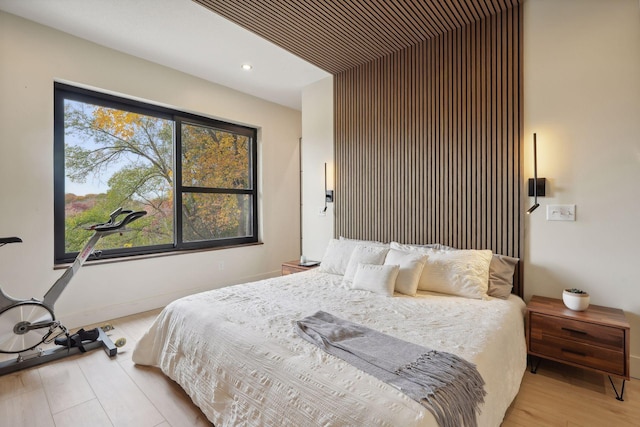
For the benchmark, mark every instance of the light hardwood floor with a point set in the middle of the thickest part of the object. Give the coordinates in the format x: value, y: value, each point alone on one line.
x: 94, y: 390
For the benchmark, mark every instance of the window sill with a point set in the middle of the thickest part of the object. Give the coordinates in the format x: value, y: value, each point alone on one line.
x: 98, y: 261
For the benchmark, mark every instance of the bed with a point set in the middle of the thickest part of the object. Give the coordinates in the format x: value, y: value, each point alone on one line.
x: 235, y: 351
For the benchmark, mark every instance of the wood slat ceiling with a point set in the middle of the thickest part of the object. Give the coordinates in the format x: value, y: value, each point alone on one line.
x: 337, y: 35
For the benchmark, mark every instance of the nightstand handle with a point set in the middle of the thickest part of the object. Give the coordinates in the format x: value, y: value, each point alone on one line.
x: 577, y: 353
x: 574, y: 330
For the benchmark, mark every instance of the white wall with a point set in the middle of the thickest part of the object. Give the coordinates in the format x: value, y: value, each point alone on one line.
x: 317, y: 148
x: 31, y: 58
x: 582, y: 97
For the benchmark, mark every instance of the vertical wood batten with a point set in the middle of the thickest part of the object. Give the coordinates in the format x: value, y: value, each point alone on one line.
x: 428, y: 141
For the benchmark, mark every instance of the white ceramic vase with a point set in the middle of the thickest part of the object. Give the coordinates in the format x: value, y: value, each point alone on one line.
x: 576, y: 302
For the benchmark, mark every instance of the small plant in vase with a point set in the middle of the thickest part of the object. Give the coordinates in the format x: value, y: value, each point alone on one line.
x: 575, y: 299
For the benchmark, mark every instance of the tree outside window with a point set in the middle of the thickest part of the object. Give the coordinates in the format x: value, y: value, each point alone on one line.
x: 112, y: 152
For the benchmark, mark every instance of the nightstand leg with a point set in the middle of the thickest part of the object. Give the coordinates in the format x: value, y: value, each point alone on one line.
x: 534, y: 369
x: 618, y: 396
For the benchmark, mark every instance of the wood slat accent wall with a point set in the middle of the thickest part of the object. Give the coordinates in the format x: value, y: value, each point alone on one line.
x: 428, y: 141
x: 339, y: 35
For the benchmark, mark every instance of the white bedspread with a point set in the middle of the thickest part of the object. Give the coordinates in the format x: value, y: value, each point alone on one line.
x: 235, y: 352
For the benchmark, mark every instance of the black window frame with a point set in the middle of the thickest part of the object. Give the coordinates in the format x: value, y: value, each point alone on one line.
x: 64, y: 92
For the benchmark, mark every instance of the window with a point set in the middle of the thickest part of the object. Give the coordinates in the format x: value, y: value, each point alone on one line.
x: 196, y: 177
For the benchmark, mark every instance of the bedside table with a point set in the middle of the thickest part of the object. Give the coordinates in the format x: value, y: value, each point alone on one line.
x: 596, y: 339
x: 294, y: 266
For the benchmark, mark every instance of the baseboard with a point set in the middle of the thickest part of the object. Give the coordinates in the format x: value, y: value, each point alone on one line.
x: 634, y: 366
x: 109, y: 312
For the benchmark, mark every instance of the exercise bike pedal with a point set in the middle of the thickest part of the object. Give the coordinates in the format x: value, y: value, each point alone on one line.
x: 107, y: 327
x: 77, y: 339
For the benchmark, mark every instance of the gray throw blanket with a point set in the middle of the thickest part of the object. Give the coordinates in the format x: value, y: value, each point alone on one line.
x: 447, y: 385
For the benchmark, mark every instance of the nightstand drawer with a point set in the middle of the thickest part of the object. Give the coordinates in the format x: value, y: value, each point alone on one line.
x: 587, y: 355
x: 289, y: 269
x: 543, y: 326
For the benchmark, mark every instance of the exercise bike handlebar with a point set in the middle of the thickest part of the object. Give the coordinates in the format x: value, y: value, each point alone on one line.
x: 113, y: 225
x: 5, y: 240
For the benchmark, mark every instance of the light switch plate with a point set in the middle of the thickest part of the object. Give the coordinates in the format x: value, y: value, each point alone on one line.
x: 561, y: 212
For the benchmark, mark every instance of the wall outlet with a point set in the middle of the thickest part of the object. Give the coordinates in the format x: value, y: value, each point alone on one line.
x: 322, y: 211
x: 561, y: 212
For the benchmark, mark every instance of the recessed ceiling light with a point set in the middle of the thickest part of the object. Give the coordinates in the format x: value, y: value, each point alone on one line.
x: 246, y: 67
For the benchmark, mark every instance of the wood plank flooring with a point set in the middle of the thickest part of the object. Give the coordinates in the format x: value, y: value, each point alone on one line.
x: 95, y: 390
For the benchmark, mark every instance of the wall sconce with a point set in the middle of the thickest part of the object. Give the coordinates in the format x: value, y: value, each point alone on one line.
x: 537, y: 186
x: 328, y: 194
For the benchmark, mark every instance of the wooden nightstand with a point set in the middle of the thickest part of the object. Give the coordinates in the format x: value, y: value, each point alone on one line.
x: 294, y: 266
x: 595, y: 339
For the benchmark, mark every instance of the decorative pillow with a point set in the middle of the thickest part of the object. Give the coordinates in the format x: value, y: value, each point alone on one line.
x: 364, y: 254
x: 501, y: 273
x: 457, y: 272
x: 501, y: 269
x: 411, y: 266
x: 379, y: 279
x: 461, y: 272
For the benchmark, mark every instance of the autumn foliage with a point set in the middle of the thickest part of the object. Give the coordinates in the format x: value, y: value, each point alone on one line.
x: 133, y: 154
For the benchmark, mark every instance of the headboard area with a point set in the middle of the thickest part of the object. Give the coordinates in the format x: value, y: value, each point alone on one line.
x: 428, y: 142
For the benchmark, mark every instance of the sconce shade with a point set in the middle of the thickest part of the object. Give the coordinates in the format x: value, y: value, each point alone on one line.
x: 542, y: 186
x: 329, y: 196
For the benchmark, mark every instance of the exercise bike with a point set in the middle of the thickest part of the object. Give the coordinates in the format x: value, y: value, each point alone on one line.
x: 27, y: 323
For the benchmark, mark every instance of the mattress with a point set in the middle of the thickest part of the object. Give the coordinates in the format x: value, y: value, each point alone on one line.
x: 236, y: 354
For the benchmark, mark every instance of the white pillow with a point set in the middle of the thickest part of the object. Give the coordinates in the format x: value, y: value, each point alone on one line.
x: 364, y: 254
x: 411, y: 266
x: 336, y: 257
x: 379, y: 279
x: 501, y: 268
x: 463, y: 272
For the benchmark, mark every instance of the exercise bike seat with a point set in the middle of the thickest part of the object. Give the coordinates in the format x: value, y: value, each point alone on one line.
x: 5, y: 240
